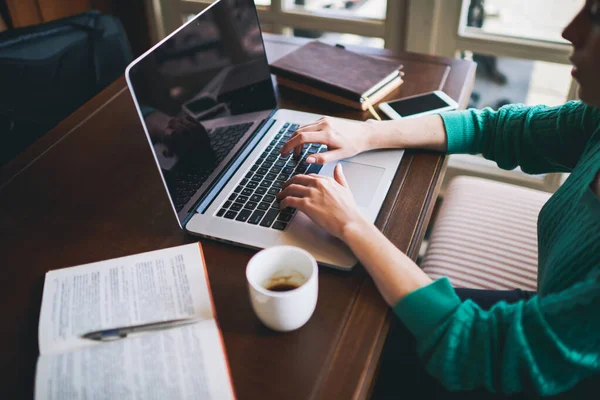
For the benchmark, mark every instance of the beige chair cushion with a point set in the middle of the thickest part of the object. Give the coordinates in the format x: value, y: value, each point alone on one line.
x: 485, y: 235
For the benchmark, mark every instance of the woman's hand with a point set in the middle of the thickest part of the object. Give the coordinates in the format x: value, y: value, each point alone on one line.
x: 343, y: 139
x: 327, y: 201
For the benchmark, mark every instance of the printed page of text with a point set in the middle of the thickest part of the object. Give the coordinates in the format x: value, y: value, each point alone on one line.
x: 181, y: 363
x: 150, y: 287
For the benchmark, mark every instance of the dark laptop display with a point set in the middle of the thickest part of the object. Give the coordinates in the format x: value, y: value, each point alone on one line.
x: 194, y: 91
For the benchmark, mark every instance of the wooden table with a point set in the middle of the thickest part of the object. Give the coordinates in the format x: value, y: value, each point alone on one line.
x: 89, y: 190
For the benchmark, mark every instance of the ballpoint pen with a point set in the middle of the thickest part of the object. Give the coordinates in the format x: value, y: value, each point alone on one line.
x: 122, y: 332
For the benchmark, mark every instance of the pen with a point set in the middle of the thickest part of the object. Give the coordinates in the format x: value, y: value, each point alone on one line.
x: 122, y: 332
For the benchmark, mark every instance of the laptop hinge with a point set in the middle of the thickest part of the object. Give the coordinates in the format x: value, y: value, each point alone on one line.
x: 228, y: 173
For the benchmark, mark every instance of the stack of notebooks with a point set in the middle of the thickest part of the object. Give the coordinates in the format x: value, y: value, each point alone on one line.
x: 339, y: 75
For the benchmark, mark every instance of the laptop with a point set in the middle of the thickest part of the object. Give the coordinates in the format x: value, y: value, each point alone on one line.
x: 206, y: 100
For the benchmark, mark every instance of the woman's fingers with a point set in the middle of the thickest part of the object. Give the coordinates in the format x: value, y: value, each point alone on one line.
x: 294, y: 190
x: 338, y: 175
x: 305, y: 180
x: 299, y: 139
x: 313, y: 126
x: 324, y: 158
x: 294, y: 202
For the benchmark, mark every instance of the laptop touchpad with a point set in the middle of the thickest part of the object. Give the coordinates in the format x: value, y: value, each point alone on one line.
x: 363, y: 181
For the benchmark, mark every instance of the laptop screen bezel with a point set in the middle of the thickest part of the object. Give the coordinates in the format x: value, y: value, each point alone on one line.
x: 222, y: 178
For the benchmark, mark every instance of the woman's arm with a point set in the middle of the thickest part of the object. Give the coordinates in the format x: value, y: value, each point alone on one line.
x: 545, y: 344
x: 539, y: 139
x: 329, y: 203
x: 394, y: 274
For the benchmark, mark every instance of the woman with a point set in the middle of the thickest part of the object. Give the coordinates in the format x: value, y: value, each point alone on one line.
x: 546, y: 344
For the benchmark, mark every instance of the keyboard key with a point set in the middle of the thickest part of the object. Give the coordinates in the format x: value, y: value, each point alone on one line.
x: 287, y: 170
x: 286, y: 125
x: 246, y: 192
x: 256, y: 198
x: 289, y: 210
x: 249, y: 174
x: 293, y: 127
x: 280, y: 163
x: 227, y: 204
x: 266, y: 183
x: 241, y: 199
x: 269, y: 218
x: 222, y: 211
x: 230, y: 214
x: 278, y: 225
x: 285, y: 217
x: 256, y: 217
x: 232, y: 197
x: 273, y: 191
x: 236, y: 206
x: 260, y: 190
x: 243, y: 215
x: 271, y: 158
x: 276, y: 170
x: 269, y: 198
x: 257, y: 178
x: 267, y: 164
x: 254, y: 168
x: 284, y: 177
x: 275, y: 204
x: 271, y: 176
x: 262, y: 171
x: 251, y: 205
x: 252, y: 185
x: 263, y: 206
x: 238, y: 189
x: 244, y: 181
x: 277, y: 184
x: 314, y: 169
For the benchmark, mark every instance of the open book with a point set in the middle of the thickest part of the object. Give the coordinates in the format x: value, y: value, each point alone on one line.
x: 185, y: 362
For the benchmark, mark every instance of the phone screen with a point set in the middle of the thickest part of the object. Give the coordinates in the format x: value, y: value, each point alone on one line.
x: 416, y: 105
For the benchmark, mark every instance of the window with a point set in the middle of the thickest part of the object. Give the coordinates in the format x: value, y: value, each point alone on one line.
x: 521, y: 58
x: 378, y: 23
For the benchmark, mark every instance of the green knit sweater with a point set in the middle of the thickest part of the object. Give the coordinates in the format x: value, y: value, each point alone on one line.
x: 548, y: 343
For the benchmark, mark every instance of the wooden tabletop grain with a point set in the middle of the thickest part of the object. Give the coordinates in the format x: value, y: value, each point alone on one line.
x: 89, y: 190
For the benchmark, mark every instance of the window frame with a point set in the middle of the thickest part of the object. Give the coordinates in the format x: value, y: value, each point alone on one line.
x: 166, y: 16
x: 435, y: 27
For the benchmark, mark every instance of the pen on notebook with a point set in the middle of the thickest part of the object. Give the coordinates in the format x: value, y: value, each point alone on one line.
x: 122, y: 332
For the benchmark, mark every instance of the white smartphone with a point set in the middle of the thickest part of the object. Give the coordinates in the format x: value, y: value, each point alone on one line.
x: 421, y: 104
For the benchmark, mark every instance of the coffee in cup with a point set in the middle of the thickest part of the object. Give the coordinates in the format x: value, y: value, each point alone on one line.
x: 283, y: 286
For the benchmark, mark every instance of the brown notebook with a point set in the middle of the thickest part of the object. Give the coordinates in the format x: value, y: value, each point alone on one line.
x: 338, y: 74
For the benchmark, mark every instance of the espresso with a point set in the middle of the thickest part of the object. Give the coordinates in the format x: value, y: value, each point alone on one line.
x: 282, y: 287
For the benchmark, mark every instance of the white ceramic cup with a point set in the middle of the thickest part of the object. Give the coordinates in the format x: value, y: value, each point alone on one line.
x: 287, y: 310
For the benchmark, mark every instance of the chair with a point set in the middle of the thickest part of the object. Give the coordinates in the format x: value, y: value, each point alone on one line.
x: 49, y: 70
x: 485, y: 235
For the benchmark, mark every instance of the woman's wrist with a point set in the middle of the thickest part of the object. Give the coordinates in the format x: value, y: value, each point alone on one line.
x: 355, y: 228
x: 383, y: 135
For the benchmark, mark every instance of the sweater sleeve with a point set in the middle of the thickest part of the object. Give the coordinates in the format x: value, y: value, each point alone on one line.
x: 539, y: 139
x: 545, y: 344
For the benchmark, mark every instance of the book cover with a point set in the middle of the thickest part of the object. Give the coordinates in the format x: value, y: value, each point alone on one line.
x: 336, y: 70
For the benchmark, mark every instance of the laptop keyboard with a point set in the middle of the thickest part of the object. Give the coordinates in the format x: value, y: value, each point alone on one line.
x: 253, y: 200
x: 222, y: 140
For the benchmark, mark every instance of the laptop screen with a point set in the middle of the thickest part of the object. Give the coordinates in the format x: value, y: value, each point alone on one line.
x: 202, y: 93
